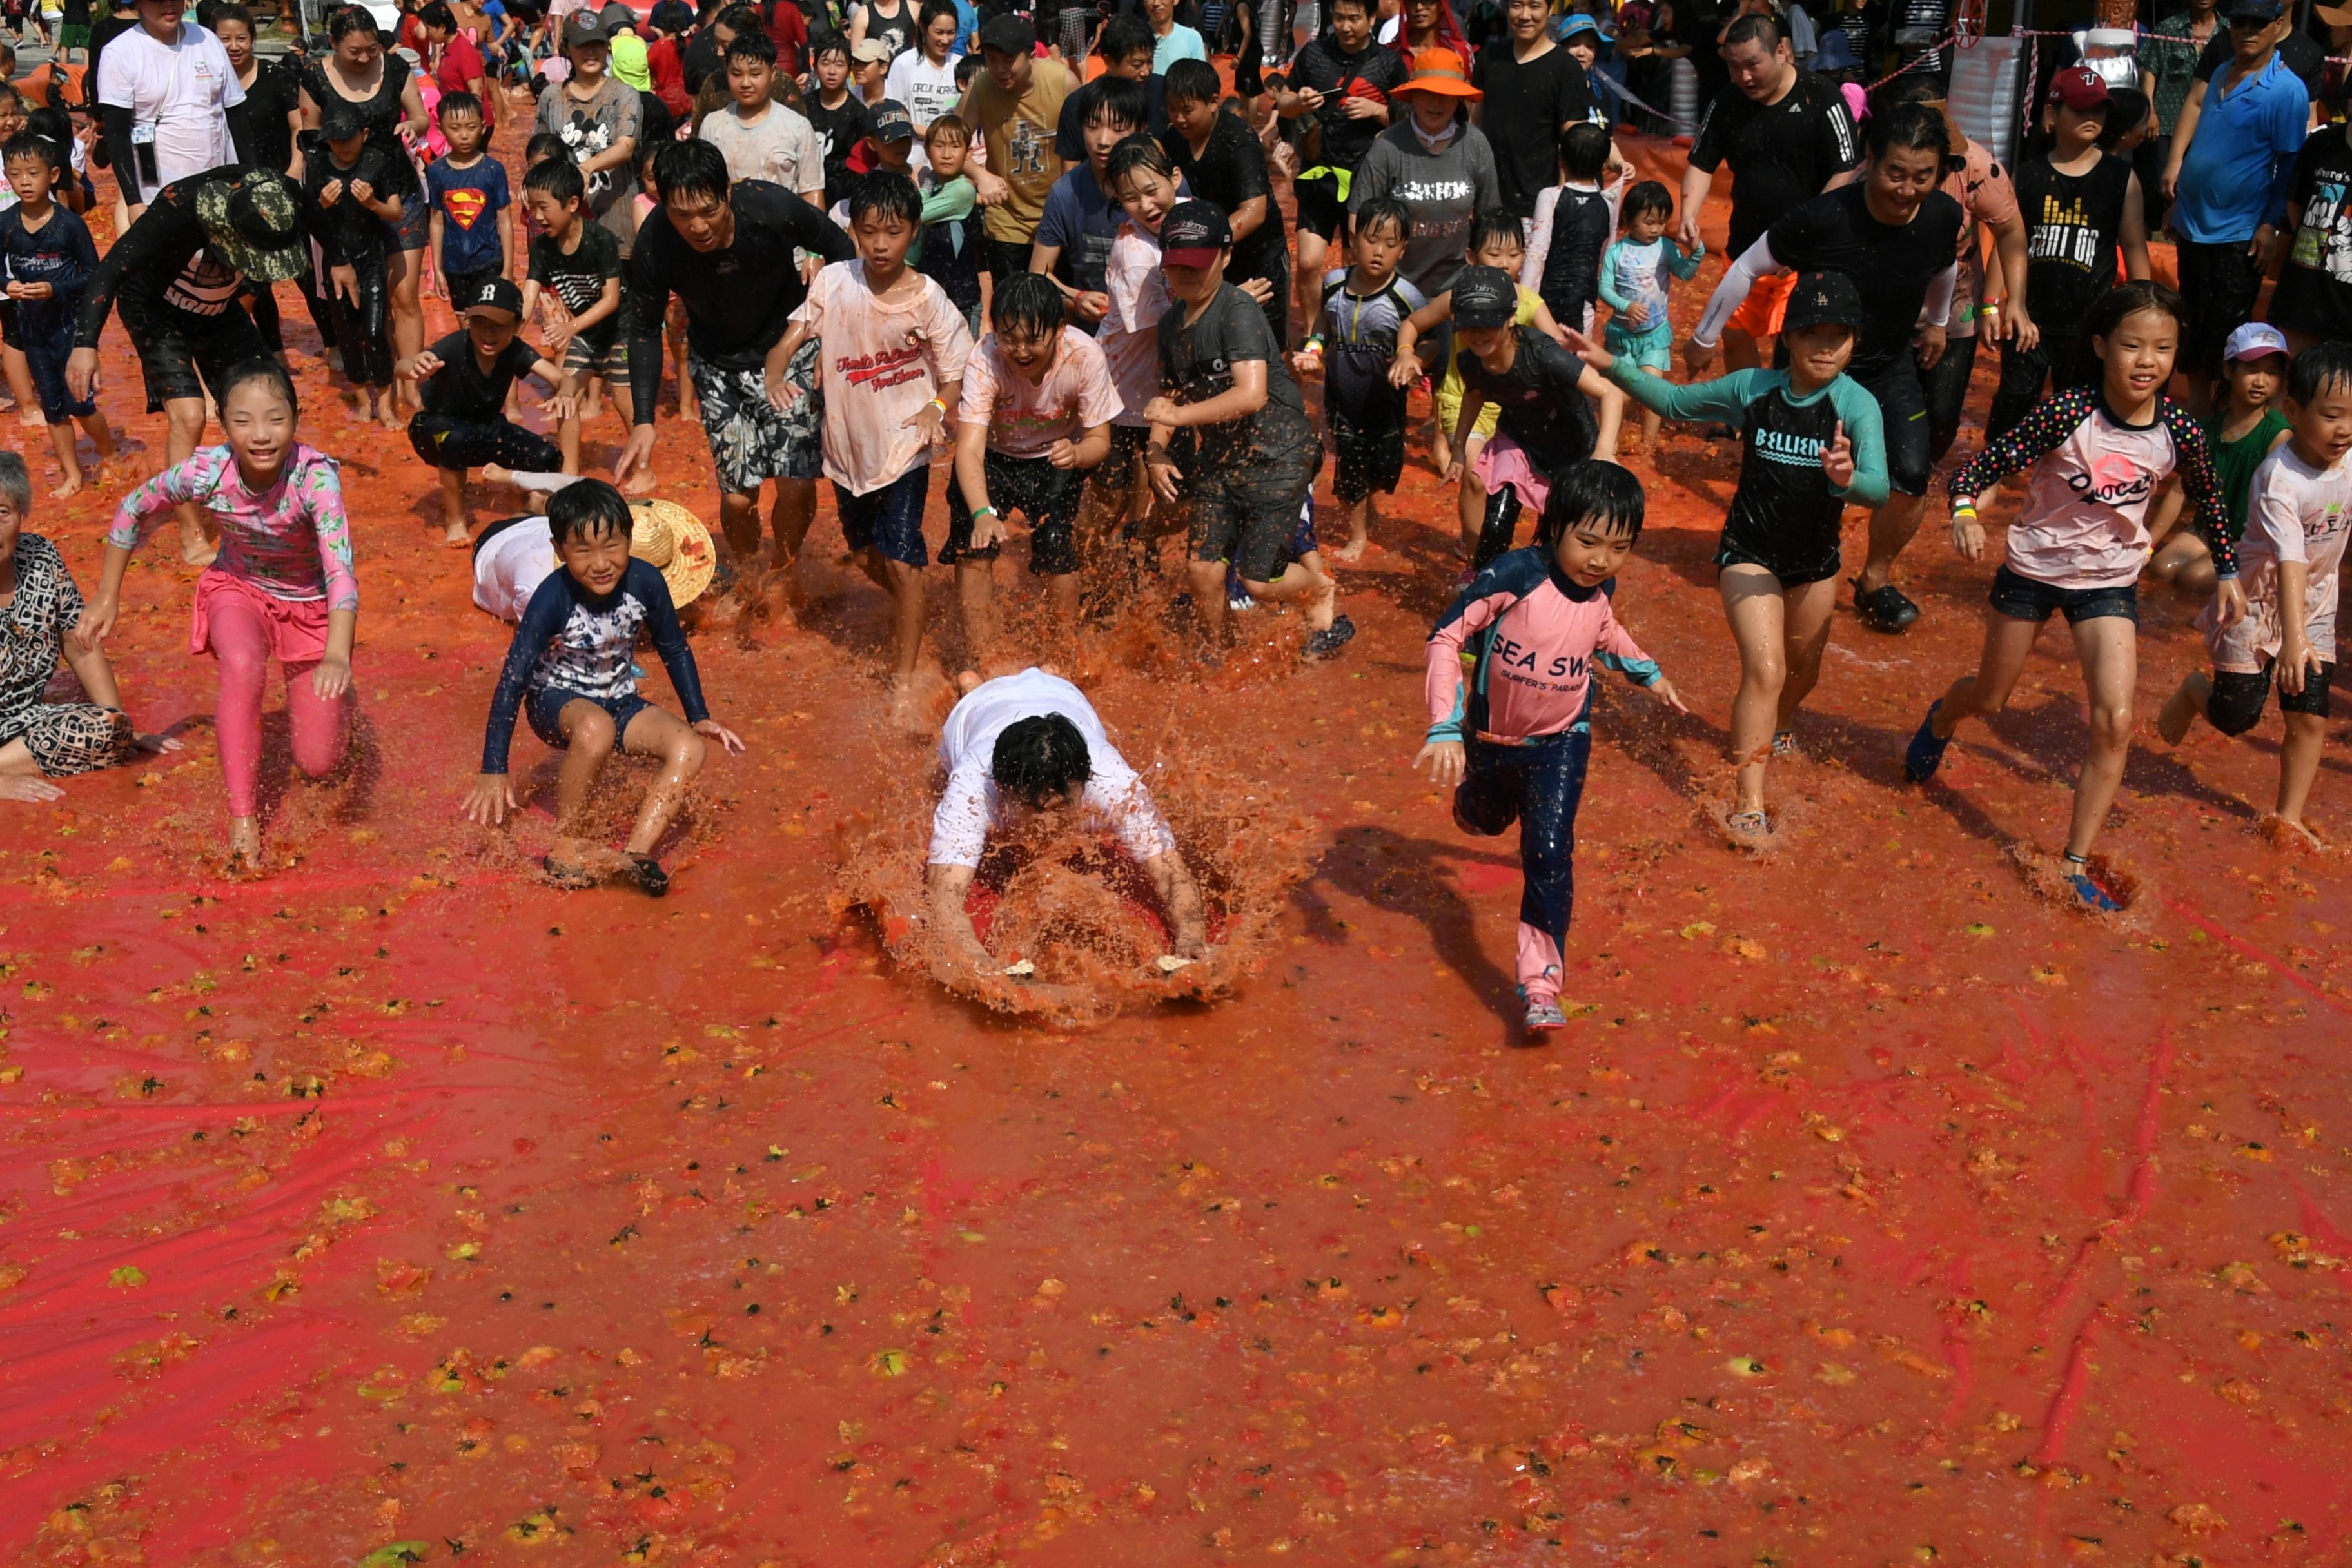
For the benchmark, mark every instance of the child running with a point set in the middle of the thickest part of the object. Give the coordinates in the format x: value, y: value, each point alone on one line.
x: 1635, y: 274
x: 1510, y: 689
x: 2242, y: 430
x: 892, y: 353
x: 282, y: 585
x: 2098, y: 451
x: 574, y: 284
x: 1354, y: 346
x: 1811, y: 446
x: 2290, y: 560
x: 571, y: 672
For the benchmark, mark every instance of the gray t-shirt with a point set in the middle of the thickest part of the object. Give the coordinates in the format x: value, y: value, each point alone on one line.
x: 1445, y: 189
x: 590, y: 127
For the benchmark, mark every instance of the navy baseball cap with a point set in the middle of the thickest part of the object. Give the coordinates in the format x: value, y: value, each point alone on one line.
x: 892, y: 122
x: 1193, y: 233
x: 1823, y: 299
x: 2254, y: 10
x: 1484, y: 297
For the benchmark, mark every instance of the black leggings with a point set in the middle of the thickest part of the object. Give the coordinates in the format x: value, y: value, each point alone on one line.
x: 1947, y: 385
x: 2022, y: 373
x: 1501, y: 524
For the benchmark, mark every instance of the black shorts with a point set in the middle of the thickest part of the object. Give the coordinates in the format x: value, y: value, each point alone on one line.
x: 1251, y: 521
x: 2236, y: 703
x: 1321, y: 210
x: 1366, y: 463
x: 465, y: 287
x: 1116, y: 473
x: 1047, y: 496
x: 1945, y: 385
x: 1794, y: 569
x: 1005, y: 256
x: 889, y: 519
x: 2219, y: 282
x: 1902, y: 406
x: 2024, y: 599
x: 179, y: 361
x: 447, y: 442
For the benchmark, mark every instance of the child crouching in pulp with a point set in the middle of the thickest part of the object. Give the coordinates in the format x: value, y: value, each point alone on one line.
x: 1510, y: 700
x: 570, y: 673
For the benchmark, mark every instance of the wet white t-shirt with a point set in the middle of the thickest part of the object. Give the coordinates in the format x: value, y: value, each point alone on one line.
x: 881, y: 361
x: 1114, y: 795
x: 182, y: 92
x: 512, y: 564
x: 2293, y: 513
x: 1130, y: 334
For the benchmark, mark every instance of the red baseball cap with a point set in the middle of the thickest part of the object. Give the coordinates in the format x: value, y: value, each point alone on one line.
x: 2080, y: 88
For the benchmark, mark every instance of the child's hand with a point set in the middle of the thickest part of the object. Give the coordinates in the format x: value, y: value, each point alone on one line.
x: 1062, y: 453
x: 1165, y: 411
x: 155, y: 745
x: 1404, y: 370
x: 1637, y: 314
x: 1309, y: 363
x: 491, y: 799
x: 1090, y: 308
x: 929, y: 421
x: 426, y: 364
x: 331, y: 193
x: 362, y: 191
x: 1837, y: 458
x: 1165, y: 475
x: 1663, y: 690
x: 2228, y: 603
x: 727, y: 738
x: 1258, y: 289
x: 989, y: 529
x: 782, y: 390
x: 332, y: 679
x: 97, y: 620
x: 36, y: 291
x: 1453, y: 474
x: 1447, y: 760
x: 1967, y: 532
x: 2295, y: 658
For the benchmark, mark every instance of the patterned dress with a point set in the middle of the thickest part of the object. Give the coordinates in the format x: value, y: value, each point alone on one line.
x: 64, y: 737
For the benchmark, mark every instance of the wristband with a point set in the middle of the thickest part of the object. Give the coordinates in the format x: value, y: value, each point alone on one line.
x: 1964, y: 509
x: 1992, y: 308
x: 980, y: 512
x: 1312, y: 344
x: 934, y: 403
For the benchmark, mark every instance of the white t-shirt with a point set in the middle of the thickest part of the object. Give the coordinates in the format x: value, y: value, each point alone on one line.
x: 1130, y: 334
x: 927, y: 90
x: 780, y: 146
x: 2293, y: 513
x: 1114, y: 795
x: 881, y: 361
x: 1024, y: 418
x: 512, y: 564
x: 182, y: 92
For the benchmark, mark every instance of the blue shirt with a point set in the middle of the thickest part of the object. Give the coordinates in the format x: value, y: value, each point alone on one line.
x: 59, y: 254
x: 2235, y: 176
x: 967, y: 28
x: 574, y: 641
x: 470, y: 202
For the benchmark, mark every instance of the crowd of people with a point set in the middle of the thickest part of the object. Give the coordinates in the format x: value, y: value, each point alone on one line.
x: 1094, y: 276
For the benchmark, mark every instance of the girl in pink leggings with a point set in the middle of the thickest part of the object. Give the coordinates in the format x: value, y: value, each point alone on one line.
x: 281, y: 586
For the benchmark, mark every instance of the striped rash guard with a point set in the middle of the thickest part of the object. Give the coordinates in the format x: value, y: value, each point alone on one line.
x: 1528, y: 638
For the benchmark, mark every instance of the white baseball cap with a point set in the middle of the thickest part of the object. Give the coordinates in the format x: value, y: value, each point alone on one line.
x: 2255, y: 340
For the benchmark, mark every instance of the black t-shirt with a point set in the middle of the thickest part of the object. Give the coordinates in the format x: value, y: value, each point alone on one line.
x: 2314, y: 287
x: 1070, y: 131
x: 1527, y: 106
x: 838, y: 131
x: 1323, y: 67
x: 738, y: 300
x: 462, y: 389
x: 1780, y: 155
x: 1196, y: 363
x: 2073, y: 224
x: 163, y: 270
x: 580, y: 277
x: 347, y: 233
x: 1891, y: 267
x: 1231, y: 170
x: 2297, y: 52
x: 1542, y: 408
x: 272, y: 96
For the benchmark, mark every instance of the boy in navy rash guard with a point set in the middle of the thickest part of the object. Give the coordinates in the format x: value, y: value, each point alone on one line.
x: 569, y: 672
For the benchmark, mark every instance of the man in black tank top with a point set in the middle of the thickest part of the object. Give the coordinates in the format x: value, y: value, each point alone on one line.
x: 2082, y: 207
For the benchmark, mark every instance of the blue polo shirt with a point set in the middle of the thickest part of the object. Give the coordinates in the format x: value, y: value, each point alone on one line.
x: 2235, y: 176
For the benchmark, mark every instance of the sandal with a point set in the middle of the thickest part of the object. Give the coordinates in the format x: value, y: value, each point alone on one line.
x: 1886, y: 608
x: 572, y: 878
x: 647, y: 872
x: 1332, y: 638
x: 1748, y: 829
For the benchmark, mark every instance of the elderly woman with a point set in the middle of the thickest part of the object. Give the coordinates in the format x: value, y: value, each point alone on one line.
x: 40, y: 741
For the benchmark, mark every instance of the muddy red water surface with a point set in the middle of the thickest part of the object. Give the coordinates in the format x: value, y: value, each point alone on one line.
x: 1870, y: 1211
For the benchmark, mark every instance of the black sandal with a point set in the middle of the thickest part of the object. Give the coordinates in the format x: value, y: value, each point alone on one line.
x: 572, y: 878
x: 647, y: 872
x: 1886, y: 608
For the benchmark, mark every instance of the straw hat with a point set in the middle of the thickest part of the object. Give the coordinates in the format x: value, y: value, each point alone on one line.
x: 672, y: 540
x: 1441, y: 72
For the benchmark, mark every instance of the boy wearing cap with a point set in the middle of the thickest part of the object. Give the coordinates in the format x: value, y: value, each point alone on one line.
x: 350, y: 196
x: 2080, y: 205
x: 1812, y: 444
x: 2227, y: 176
x: 869, y: 69
x: 464, y: 379
x: 1016, y: 103
x: 1254, y: 453
x: 760, y: 138
x: 1546, y: 422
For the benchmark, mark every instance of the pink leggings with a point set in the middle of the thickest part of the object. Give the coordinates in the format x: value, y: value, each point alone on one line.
x: 241, y: 642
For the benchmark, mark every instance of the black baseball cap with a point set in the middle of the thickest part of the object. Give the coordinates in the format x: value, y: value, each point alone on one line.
x: 892, y: 122
x: 498, y: 294
x: 2254, y: 10
x: 1823, y: 299
x: 1193, y: 233
x: 584, y: 28
x: 1484, y: 297
x: 1014, y: 33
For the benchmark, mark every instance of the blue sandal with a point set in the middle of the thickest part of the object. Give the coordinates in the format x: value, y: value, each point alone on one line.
x: 1925, y: 754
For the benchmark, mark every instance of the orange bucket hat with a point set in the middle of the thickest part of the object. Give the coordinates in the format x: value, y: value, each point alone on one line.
x: 1441, y: 72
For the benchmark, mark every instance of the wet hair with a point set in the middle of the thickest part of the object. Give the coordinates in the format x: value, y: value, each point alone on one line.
x: 1192, y: 81
x: 1385, y: 212
x: 1029, y: 303
x: 1489, y: 226
x: 1590, y: 492
x: 2110, y: 310
x: 229, y: 12
x: 585, y: 510
x: 25, y: 144
x: 1038, y: 760
x: 1909, y: 128
x: 559, y: 178
x: 1649, y: 196
x: 948, y: 128
x: 827, y: 44
x: 260, y: 368
x: 931, y: 12
x: 1753, y: 28
x: 457, y: 104
x: 1119, y: 100
x: 350, y: 19
x: 887, y: 194
x: 966, y: 68
x: 540, y: 148
x: 438, y: 14
x: 752, y: 45
x: 2317, y: 369
x: 2126, y: 112
x: 1137, y: 151
x: 692, y: 168
x: 1583, y: 152
x: 1125, y: 35
x: 15, y: 483
x: 1367, y: 7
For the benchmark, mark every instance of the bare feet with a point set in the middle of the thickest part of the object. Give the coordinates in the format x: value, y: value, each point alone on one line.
x: 1353, y: 550
x: 455, y: 534
x: 72, y: 487
x: 640, y: 482
x: 905, y: 714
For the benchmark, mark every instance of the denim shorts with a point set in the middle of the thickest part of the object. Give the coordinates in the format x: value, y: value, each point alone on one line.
x: 891, y: 518
x: 2024, y: 599
x: 544, y: 709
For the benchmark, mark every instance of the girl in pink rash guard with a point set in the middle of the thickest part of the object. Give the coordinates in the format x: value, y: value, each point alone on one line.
x: 1510, y: 694
x: 2098, y: 452
x: 282, y: 587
